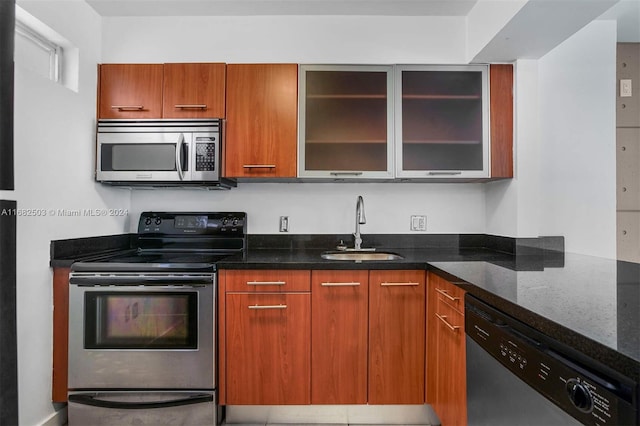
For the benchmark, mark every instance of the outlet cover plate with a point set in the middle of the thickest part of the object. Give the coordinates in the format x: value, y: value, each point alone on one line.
x: 418, y: 223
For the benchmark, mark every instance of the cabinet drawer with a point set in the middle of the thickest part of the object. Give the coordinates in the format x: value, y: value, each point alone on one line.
x: 268, y: 280
x: 448, y: 293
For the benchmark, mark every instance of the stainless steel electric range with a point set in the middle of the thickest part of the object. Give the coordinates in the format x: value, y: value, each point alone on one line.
x: 142, y: 344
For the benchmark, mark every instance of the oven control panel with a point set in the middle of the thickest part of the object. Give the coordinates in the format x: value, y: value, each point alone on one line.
x: 197, y: 223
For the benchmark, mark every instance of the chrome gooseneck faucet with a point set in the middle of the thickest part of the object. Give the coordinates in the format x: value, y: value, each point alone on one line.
x: 360, y: 220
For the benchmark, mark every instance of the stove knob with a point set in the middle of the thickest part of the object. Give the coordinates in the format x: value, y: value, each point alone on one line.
x: 235, y: 222
x: 147, y: 221
x: 225, y: 221
x: 158, y: 221
x: 579, y: 396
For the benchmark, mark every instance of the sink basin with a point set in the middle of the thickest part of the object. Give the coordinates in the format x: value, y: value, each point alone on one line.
x: 360, y: 255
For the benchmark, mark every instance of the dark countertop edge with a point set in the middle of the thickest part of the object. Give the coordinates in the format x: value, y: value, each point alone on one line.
x: 573, y: 342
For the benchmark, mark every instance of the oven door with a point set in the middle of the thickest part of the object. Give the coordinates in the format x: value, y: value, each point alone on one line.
x: 157, y: 333
x: 153, y: 156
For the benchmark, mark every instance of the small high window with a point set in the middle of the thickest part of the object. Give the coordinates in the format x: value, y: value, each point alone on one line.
x: 45, y: 52
x: 36, y: 52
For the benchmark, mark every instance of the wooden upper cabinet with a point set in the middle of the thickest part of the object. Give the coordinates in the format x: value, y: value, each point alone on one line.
x: 194, y: 90
x: 339, y: 321
x: 396, y: 337
x: 130, y: 91
x: 501, y: 84
x: 262, y: 117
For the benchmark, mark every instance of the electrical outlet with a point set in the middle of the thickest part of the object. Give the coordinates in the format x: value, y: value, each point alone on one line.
x: 418, y: 223
x: 284, y: 223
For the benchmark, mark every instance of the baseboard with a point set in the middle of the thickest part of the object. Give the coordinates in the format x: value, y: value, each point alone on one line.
x: 336, y: 414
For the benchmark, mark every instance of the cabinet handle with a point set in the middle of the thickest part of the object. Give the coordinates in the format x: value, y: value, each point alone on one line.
x: 340, y: 284
x: 443, y: 318
x: 259, y: 166
x: 447, y: 295
x: 345, y: 173
x: 444, y: 173
x: 267, y: 306
x: 266, y: 282
x: 128, y: 107
x: 385, y: 284
x: 185, y: 106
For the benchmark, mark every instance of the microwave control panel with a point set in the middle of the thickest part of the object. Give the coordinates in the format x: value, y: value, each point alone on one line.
x: 205, y: 156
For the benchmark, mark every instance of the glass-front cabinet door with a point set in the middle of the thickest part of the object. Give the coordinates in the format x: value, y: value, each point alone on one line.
x: 442, y: 123
x: 346, y: 121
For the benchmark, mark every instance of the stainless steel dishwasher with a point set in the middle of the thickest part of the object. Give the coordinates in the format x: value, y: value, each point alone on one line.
x: 518, y: 376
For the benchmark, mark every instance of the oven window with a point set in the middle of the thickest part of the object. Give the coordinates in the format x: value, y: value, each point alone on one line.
x: 141, y: 320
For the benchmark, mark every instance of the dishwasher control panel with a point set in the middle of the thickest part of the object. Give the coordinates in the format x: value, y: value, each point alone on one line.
x: 585, y: 390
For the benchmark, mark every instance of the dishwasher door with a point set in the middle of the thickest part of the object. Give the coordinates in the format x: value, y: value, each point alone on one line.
x: 519, y: 376
x: 497, y: 397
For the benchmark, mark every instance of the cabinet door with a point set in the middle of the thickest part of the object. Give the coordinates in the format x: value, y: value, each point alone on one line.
x: 432, y: 340
x: 451, y: 395
x: 346, y: 121
x: 130, y: 91
x: 442, y: 127
x: 339, y: 305
x: 396, y: 337
x: 261, y: 127
x: 194, y: 91
x: 268, y: 348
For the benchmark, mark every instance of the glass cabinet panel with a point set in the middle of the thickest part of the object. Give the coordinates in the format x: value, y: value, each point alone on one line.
x: 442, y: 123
x: 345, y: 121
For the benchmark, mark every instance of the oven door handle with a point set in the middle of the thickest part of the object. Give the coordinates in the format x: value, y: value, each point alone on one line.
x: 92, y: 399
x: 140, y: 280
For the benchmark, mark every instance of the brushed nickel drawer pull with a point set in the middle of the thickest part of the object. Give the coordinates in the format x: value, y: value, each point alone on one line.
x: 185, y: 106
x: 443, y: 318
x: 259, y: 166
x: 266, y: 282
x: 385, y: 284
x: 353, y: 284
x: 128, y: 107
x: 447, y: 295
x: 267, y: 306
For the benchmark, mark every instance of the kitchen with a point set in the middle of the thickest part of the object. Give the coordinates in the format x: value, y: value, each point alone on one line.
x: 542, y: 199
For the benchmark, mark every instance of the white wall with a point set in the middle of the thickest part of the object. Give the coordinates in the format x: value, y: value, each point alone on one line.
x: 312, y: 208
x: 577, y: 140
x: 513, y: 206
x: 54, y: 152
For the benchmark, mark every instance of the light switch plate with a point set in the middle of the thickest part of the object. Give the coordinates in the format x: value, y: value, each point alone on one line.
x: 418, y: 223
x: 625, y: 88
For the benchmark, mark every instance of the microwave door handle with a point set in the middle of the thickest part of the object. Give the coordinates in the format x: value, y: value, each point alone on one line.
x: 179, y: 156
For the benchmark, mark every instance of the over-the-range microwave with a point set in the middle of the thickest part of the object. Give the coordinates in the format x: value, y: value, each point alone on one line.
x: 150, y: 152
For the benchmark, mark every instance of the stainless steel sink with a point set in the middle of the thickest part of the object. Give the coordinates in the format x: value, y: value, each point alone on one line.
x: 359, y: 255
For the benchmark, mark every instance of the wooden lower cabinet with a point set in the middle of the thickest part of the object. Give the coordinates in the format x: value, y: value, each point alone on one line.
x: 60, y: 334
x: 268, y: 348
x: 339, y: 305
x: 446, y: 359
x: 396, y: 337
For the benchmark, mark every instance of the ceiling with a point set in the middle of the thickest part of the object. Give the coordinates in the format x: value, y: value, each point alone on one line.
x: 282, y: 7
x: 625, y: 12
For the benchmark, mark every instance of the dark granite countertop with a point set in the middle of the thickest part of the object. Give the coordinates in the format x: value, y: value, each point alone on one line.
x: 590, y: 304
